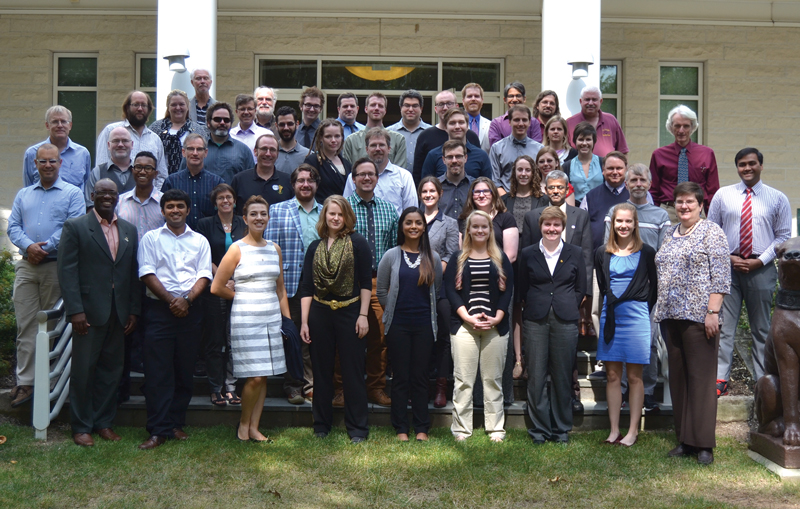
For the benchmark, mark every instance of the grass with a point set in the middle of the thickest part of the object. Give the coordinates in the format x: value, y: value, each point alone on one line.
x: 212, y: 469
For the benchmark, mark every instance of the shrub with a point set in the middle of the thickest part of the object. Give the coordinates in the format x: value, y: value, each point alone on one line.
x: 8, y: 322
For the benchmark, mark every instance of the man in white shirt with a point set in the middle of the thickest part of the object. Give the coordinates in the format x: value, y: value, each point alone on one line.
x: 175, y: 265
x: 247, y: 131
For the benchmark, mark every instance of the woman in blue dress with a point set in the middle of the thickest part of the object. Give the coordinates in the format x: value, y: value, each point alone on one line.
x: 627, y: 278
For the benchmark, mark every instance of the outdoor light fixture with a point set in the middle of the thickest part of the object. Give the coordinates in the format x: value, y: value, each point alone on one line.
x: 580, y: 65
x: 177, y: 60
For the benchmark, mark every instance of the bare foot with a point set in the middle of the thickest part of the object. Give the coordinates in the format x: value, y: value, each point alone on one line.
x: 629, y: 440
x: 613, y: 437
x: 257, y: 436
x: 403, y: 437
x: 239, y: 433
x: 422, y: 437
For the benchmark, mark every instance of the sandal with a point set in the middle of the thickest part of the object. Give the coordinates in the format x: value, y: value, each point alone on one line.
x: 218, y: 400
x: 232, y: 398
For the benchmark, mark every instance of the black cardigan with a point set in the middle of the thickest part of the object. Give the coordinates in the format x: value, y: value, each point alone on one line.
x: 499, y: 300
x: 330, y: 180
x: 211, y: 228
x: 642, y: 288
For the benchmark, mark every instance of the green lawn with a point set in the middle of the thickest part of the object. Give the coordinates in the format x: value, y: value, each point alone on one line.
x: 213, y: 469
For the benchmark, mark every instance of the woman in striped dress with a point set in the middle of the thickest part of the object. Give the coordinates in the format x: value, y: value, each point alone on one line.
x: 259, y: 299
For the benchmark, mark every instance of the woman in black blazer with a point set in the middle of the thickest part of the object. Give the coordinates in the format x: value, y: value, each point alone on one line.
x: 221, y: 230
x: 326, y: 158
x: 551, y: 285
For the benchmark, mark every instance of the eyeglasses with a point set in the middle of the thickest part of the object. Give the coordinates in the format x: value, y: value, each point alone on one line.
x: 457, y: 157
x: 58, y: 122
x: 143, y: 167
x: 312, y: 106
x: 366, y: 175
x: 445, y: 105
x: 194, y: 150
x: 45, y: 161
x: 479, y: 192
x: 117, y: 141
x: 137, y: 106
x: 305, y: 181
x: 221, y: 120
x: 515, y: 96
x: 246, y: 110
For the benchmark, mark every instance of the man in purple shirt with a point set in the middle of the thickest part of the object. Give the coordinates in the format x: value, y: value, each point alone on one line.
x: 501, y: 127
x: 609, y: 133
x: 681, y: 161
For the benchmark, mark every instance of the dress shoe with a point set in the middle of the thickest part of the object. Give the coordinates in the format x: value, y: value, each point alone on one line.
x: 705, y: 457
x: 380, y: 398
x: 295, y: 396
x: 338, y: 400
x: 321, y: 434
x: 357, y: 440
x: 440, y: 399
x: 83, y: 439
x: 681, y: 450
x: 577, y: 406
x: 152, y: 442
x: 179, y: 434
x: 108, y: 434
x: 24, y: 394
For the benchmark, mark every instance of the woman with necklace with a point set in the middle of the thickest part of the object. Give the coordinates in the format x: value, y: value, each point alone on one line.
x: 555, y: 137
x: 694, y: 273
x: 626, y: 277
x: 175, y: 126
x: 409, y: 279
x: 335, y: 291
x: 221, y: 230
x: 325, y: 156
x: 585, y: 172
x: 443, y: 239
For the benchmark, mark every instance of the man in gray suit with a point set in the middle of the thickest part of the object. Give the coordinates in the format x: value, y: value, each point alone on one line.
x: 98, y: 274
x: 198, y: 106
x: 577, y: 232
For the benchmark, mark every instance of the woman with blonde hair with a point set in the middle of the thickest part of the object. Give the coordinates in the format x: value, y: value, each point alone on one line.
x: 479, y: 284
x: 175, y: 126
x: 555, y: 136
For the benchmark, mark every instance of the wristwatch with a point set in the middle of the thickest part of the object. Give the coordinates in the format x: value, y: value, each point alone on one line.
x: 188, y: 299
x: 712, y: 312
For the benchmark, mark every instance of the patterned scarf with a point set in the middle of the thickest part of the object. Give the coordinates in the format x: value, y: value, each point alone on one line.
x: 334, y: 268
x: 172, y: 144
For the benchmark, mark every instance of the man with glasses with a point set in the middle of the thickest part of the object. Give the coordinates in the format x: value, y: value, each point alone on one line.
x: 118, y: 170
x: 355, y: 147
x: 411, y: 124
x: 312, y: 100
x: 477, y: 162
x: 194, y: 180
x: 247, y: 131
x: 76, y: 163
x: 500, y: 127
x: 34, y: 226
x: 198, y: 106
x: 225, y: 157
x: 263, y: 180
x: 455, y: 181
x: 291, y: 154
x: 435, y: 136
x: 136, y: 108
x: 265, y: 107
x: 347, y: 105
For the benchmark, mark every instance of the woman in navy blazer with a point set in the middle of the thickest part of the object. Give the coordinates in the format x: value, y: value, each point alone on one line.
x: 551, y: 284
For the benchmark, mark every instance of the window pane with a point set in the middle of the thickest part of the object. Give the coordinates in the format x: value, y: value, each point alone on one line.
x: 608, y: 80
x: 147, y: 73
x: 665, y: 137
x: 152, y: 117
x: 287, y: 73
x: 609, y: 106
x: 77, y: 72
x: 355, y: 75
x: 679, y: 80
x: 457, y: 74
x: 83, y: 106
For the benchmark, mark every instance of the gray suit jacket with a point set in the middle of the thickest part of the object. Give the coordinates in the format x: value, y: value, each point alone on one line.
x: 193, y: 108
x: 88, y: 276
x: 443, y: 236
x: 579, y: 233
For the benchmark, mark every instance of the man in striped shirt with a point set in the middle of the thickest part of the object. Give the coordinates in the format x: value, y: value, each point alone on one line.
x: 756, y: 219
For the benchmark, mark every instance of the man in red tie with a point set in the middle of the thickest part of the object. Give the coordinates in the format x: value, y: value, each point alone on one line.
x: 756, y: 219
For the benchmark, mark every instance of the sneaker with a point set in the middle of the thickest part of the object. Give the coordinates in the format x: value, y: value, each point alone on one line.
x: 295, y: 396
x: 722, y: 388
x: 650, y: 405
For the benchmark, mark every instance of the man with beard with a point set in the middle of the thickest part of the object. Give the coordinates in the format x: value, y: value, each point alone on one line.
x: 411, y: 124
x: 265, y: 107
x: 226, y: 157
x: 198, y: 106
x: 455, y: 181
x: 545, y: 107
x: 135, y: 109
x: 291, y: 154
x: 354, y: 145
x: 472, y: 100
x: 247, y: 131
x: 263, y: 180
x: 477, y: 162
x: 76, y: 163
x: 118, y: 170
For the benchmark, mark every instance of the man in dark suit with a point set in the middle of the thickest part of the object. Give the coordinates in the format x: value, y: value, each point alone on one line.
x: 98, y: 274
x: 578, y: 233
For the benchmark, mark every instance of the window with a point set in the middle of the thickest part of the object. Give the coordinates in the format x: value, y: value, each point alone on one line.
x: 146, y: 79
x: 679, y: 83
x: 392, y: 77
x: 611, y: 87
x: 75, y: 88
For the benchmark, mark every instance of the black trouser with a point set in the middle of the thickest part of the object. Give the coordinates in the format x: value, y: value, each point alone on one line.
x: 331, y: 331
x: 216, y: 331
x: 133, y: 351
x: 410, y: 344
x: 444, y: 356
x: 170, y: 351
x: 97, y: 359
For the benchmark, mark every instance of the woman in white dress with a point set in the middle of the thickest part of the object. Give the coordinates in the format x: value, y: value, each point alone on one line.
x: 259, y: 300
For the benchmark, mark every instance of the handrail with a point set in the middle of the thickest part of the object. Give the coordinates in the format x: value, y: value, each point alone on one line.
x: 43, y: 396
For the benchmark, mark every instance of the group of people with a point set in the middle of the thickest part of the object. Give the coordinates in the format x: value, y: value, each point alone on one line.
x: 473, y: 248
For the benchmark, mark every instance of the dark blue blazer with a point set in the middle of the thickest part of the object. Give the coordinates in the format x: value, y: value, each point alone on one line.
x: 539, y: 291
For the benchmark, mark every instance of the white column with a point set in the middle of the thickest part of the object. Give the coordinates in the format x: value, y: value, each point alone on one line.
x: 185, y: 25
x: 570, y: 30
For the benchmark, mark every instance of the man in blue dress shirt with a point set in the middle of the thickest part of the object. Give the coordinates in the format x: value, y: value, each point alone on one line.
x: 76, y: 163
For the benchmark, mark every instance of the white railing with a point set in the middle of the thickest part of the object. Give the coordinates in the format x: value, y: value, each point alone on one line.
x: 44, y: 411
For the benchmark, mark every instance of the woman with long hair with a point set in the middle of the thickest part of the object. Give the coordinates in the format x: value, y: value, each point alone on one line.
x: 325, y: 156
x: 483, y: 196
x: 479, y: 282
x: 555, y: 136
x: 409, y: 279
x: 443, y: 239
x: 527, y: 192
x: 259, y: 300
x: 175, y: 126
x: 335, y: 292
x: 628, y: 281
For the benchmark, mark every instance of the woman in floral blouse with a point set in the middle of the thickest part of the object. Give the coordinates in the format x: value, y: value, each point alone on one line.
x: 693, y: 275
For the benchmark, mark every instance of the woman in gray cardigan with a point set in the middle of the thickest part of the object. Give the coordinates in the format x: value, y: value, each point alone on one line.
x: 409, y: 278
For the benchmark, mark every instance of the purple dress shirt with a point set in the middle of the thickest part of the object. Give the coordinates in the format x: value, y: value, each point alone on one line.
x: 664, y: 171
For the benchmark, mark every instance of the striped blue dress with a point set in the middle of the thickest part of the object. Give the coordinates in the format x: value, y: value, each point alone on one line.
x: 256, y: 342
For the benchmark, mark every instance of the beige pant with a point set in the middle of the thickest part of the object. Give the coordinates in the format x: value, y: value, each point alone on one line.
x: 35, y: 289
x: 470, y: 348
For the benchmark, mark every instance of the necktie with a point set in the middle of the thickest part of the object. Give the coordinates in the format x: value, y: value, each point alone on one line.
x: 683, y: 166
x: 473, y: 125
x: 371, y: 232
x: 746, y: 227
